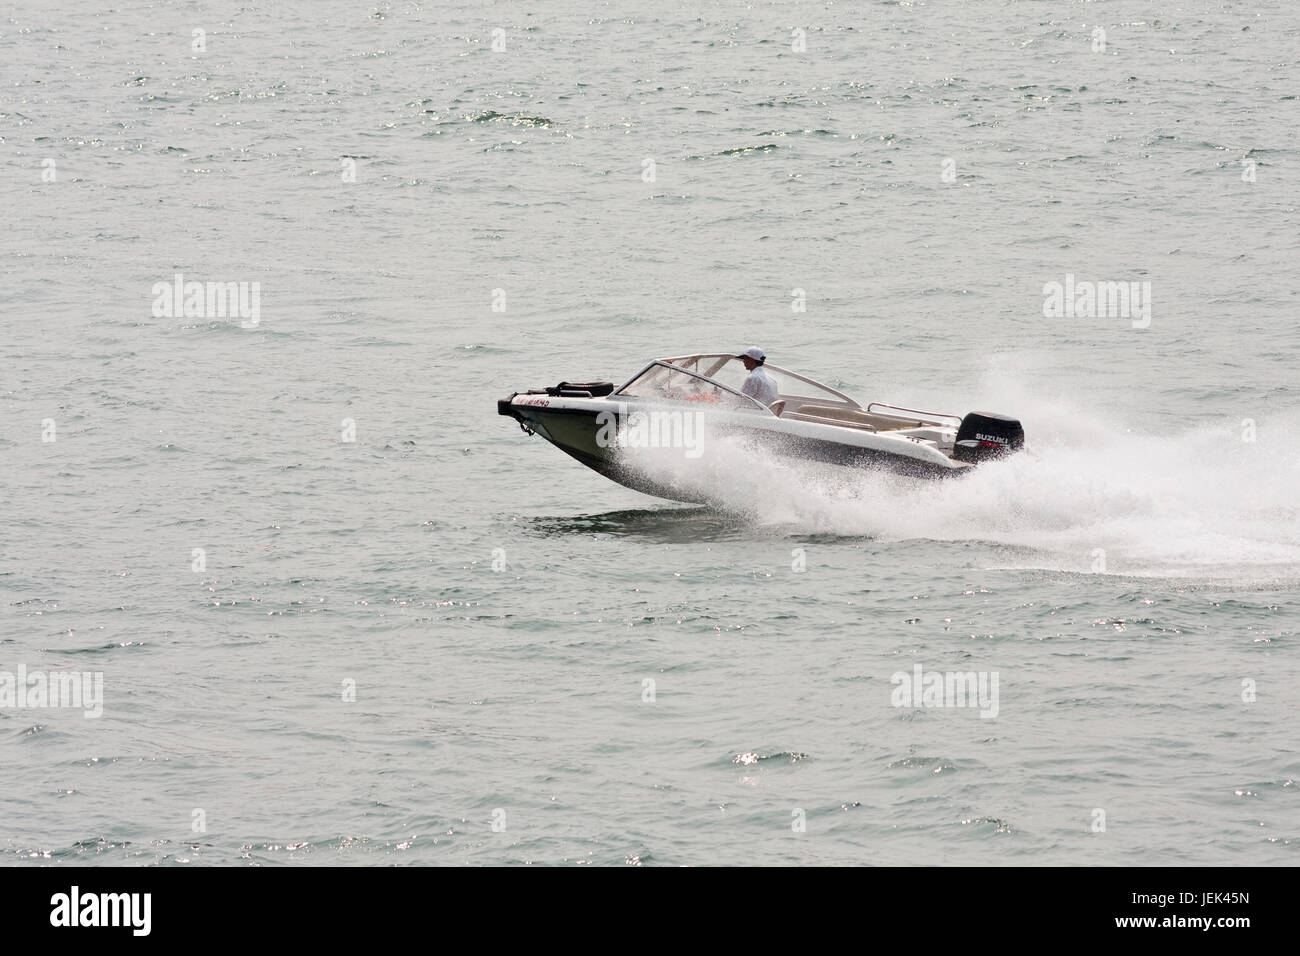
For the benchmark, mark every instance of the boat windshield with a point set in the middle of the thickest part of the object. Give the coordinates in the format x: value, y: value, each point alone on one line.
x: 664, y: 382
x: 796, y: 389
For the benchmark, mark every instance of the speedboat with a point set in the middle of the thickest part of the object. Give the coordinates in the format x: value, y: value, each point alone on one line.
x: 690, y: 403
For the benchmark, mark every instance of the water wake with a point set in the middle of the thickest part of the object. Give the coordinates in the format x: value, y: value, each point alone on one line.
x: 1212, y: 501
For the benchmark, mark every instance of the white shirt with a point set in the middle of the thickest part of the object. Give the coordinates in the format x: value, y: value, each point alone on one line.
x: 759, y: 386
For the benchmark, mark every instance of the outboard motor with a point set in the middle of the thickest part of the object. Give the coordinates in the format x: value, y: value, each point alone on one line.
x: 984, y: 435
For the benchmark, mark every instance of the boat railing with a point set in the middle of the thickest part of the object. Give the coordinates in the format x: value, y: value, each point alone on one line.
x: 931, y: 416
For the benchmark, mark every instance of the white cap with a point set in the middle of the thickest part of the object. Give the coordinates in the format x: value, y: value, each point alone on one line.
x: 755, y: 353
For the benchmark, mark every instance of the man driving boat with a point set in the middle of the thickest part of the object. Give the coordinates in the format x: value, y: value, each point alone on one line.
x: 758, y: 385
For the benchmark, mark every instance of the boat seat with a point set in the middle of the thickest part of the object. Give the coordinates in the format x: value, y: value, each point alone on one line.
x: 833, y: 415
x: 855, y: 416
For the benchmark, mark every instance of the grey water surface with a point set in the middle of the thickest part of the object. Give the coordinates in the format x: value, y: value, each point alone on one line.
x: 343, y: 612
